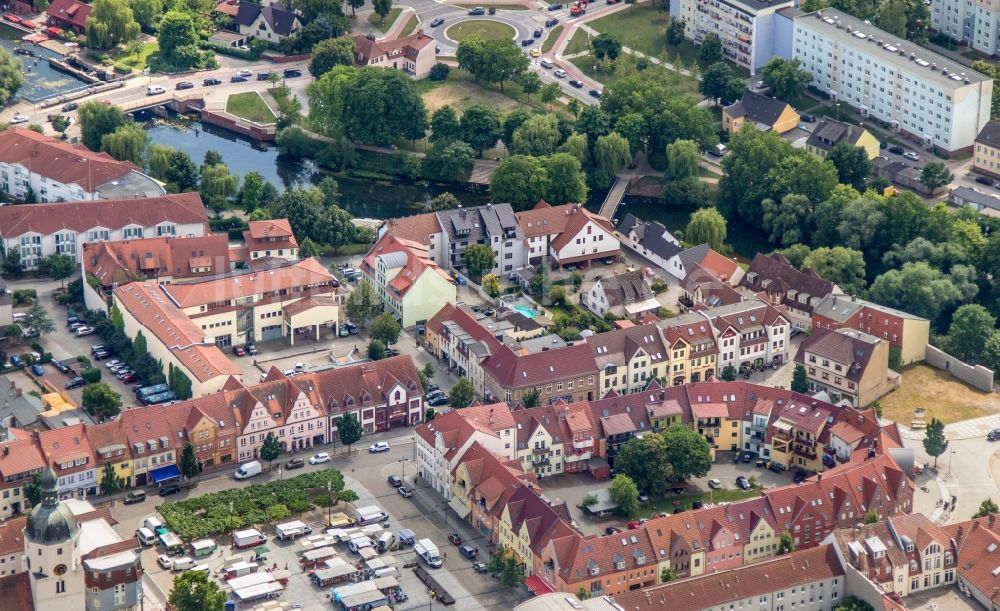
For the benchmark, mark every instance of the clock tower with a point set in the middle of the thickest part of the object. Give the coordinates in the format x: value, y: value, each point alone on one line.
x: 52, y: 551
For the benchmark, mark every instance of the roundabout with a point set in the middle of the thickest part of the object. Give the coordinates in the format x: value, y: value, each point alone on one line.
x: 486, y: 29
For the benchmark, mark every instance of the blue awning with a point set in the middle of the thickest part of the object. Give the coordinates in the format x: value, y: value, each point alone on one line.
x: 165, y: 473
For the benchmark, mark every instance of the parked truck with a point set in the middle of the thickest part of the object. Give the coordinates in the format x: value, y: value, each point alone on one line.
x: 371, y: 514
x: 243, y: 539
x: 291, y: 530
x: 428, y: 552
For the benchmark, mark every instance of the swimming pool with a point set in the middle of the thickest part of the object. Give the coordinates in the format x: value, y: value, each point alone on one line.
x: 528, y: 312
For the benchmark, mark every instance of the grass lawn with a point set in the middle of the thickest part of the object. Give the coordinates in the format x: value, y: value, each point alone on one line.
x: 551, y: 39
x: 384, y: 25
x: 411, y: 25
x: 941, y: 395
x: 485, y: 28
x: 625, y: 66
x: 140, y: 59
x: 579, y: 43
x: 460, y: 91
x: 673, y: 501
x: 706, y: 173
x: 249, y: 106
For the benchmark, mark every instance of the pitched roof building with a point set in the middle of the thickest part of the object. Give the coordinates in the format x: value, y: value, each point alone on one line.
x: 764, y: 112
x: 407, y: 280
x: 271, y: 239
x: 848, y: 365
x: 905, y: 332
x: 829, y: 133
x: 625, y: 295
x: 567, y: 234
x: 781, y: 284
x: 69, y: 14
x: 272, y: 22
x: 413, y: 54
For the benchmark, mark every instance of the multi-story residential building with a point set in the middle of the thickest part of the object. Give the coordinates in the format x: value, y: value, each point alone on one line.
x: 986, y: 154
x: 840, y: 498
x: 829, y: 133
x: 977, y: 542
x: 744, y: 27
x: 692, y: 348
x: 20, y: 459
x: 111, y: 447
x: 68, y: 451
x: 724, y: 269
x: 627, y: 359
x: 414, y: 54
x: 651, y: 240
x: 526, y: 523
x: 777, y: 281
x: 567, y: 235
x: 51, y: 170
x: 410, y: 285
x: 600, y: 565
x: 795, y: 433
x: 271, y: 239
x: 927, y: 97
x: 210, y: 427
x: 848, y: 365
x: 259, y: 305
x: 908, y: 335
x: 442, y: 442
x: 288, y: 408
x: 555, y: 439
x: 567, y: 374
x: 160, y: 260
x: 703, y: 288
x: 36, y: 231
x: 616, y: 420
x: 154, y: 445
x: 173, y: 338
x: 900, y: 554
x: 272, y: 23
x: 625, y: 295
x: 717, y: 415
x: 974, y: 23
x: 482, y: 482
x: 773, y: 585
x: 762, y: 112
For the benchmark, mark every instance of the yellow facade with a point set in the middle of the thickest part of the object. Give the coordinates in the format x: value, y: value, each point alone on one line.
x: 762, y: 543
x: 540, y: 439
x: 516, y: 543
x: 866, y: 141
x: 632, y: 376
x: 678, y: 365
x: 461, y: 488
x: 787, y: 121
x: 986, y: 159
x: 122, y: 465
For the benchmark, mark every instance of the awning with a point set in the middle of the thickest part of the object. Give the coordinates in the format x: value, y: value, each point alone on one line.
x: 460, y: 508
x: 165, y: 473
x: 537, y: 586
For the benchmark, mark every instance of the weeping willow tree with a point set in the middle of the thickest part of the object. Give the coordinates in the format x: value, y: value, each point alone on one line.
x: 127, y: 143
x: 111, y: 23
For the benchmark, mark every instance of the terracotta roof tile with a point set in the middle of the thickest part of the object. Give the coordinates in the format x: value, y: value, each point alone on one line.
x: 118, y: 262
x: 308, y: 273
x: 66, y: 445
x: 20, y: 453
x: 417, y: 228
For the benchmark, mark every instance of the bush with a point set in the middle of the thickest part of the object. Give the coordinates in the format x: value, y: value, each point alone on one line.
x: 24, y: 296
x: 439, y: 72
x: 123, y: 69
x: 294, y: 142
x: 658, y: 286
x: 91, y: 375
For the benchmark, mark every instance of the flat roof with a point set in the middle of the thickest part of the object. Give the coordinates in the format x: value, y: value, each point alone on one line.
x: 906, y: 55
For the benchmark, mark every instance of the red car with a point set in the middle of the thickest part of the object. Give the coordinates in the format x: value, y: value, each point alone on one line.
x: 239, y: 351
x: 12, y: 18
x: 454, y: 538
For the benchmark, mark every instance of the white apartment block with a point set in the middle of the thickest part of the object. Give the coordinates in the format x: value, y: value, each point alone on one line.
x: 744, y: 27
x: 976, y: 23
x: 934, y: 101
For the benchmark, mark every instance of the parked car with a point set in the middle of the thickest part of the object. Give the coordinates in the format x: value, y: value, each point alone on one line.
x: 169, y: 489
x: 291, y: 73
x: 18, y: 118
x: 809, y: 118
x: 319, y: 458
x: 391, y: 352
x: 97, y: 348
x: 576, y: 83
x: 477, y: 11
x: 404, y: 492
x: 800, y: 476
x: 136, y: 496
x: 295, y: 463
x: 129, y: 377
x: 455, y: 538
x: 985, y: 180
x: 352, y: 328
x: 527, y: 42
x: 897, y: 150
x: 760, y: 85
x: 438, y: 401
x: 61, y: 367
x: 378, y: 447
x: 993, y: 435
x: 697, y: 504
x: 16, y: 361
x: 70, y: 107
x: 184, y: 85
x: 37, y: 370
x: 82, y: 331
x: 343, y: 332
x: 743, y: 483
x: 238, y: 79
x: 714, y: 484
x: 777, y: 468
x: 395, y: 481
x: 209, y: 82
x: 252, y: 349
x: 551, y: 22
x: 611, y: 530
x: 165, y: 561
x: 239, y: 351
x: 911, y: 156
x: 747, y: 457
x: 436, y: 22
x: 468, y: 551
x: 479, y: 567
x: 100, y: 355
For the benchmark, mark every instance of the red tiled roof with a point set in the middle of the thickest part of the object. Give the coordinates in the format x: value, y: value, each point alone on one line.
x: 58, y: 160
x: 118, y: 262
x: 366, y: 49
x: 11, y: 537
x: 19, y: 454
x: 66, y: 445
x: 417, y: 228
x: 562, y: 221
x: 156, y: 312
x: 15, y: 593
x: 417, y: 262
x: 518, y: 371
x: 305, y: 274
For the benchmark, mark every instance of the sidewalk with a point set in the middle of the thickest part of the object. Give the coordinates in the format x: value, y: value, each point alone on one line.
x: 965, y: 429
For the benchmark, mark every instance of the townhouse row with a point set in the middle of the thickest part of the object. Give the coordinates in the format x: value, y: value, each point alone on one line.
x: 144, y: 444
x: 790, y: 429
x: 487, y: 484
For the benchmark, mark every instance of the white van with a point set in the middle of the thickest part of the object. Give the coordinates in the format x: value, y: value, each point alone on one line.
x: 359, y: 543
x: 152, y: 523
x: 155, y: 90
x: 202, y: 568
x: 249, y: 469
x: 145, y: 536
x: 184, y: 563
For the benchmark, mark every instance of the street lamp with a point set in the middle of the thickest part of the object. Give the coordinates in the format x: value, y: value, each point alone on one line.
x: 329, y: 500
x: 951, y: 459
x: 837, y: 105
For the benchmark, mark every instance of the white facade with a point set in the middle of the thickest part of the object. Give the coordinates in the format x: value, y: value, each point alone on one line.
x: 435, y: 462
x: 744, y: 27
x: 55, y: 573
x: 17, y: 181
x: 975, y: 23
x: 592, y: 241
x: 35, y: 246
x: 935, y: 101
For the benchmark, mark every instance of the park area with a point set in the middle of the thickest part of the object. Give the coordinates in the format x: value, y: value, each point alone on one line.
x: 484, y: 28
x: 250, y: 106
x: 939, y: 394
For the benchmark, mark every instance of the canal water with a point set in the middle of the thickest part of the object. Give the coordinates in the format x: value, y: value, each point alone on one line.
x: 362, y: 197
x: 40, y: 79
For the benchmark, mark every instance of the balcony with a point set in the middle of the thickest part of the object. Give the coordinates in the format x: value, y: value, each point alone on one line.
x: 581, y: 444
x: 541, y: 450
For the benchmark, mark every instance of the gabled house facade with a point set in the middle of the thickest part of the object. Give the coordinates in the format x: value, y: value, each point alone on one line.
x: 777, y: 281
x: 567, y: 235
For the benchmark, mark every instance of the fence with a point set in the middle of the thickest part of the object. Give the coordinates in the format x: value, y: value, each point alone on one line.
x: 976, y: 376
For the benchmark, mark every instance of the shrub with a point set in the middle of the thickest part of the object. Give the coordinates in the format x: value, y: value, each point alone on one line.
x: 91, y: 375
x: 123, y: 69
x: 439, y: 72
x: 24, y: 296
